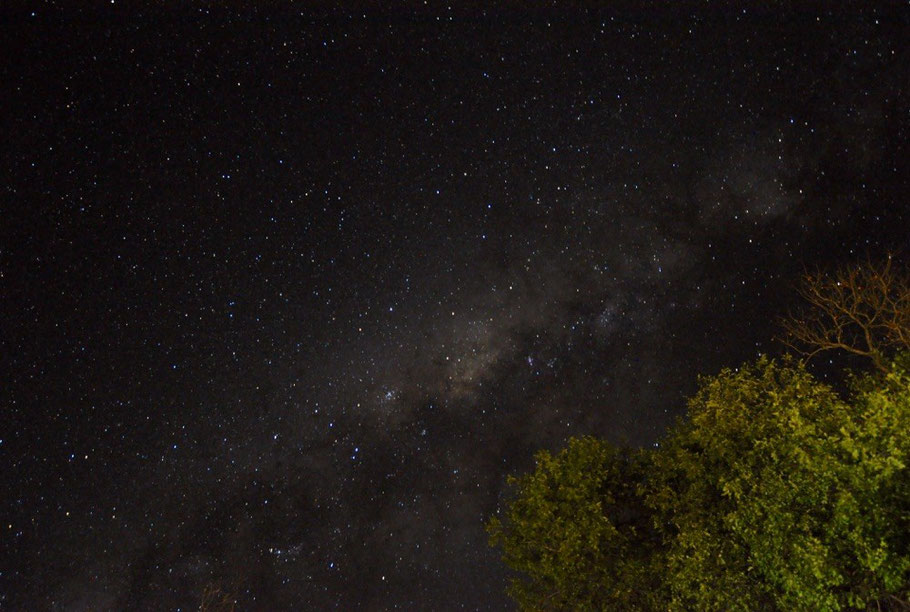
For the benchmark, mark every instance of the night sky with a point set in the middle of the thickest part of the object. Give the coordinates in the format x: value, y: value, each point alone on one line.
x: 286, y: 294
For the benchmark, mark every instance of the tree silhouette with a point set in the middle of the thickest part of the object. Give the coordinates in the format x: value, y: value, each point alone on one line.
x: 861, y: 309
x: 216, y: 599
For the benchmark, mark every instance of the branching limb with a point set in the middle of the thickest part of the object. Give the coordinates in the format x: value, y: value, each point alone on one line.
x: 864, y: 310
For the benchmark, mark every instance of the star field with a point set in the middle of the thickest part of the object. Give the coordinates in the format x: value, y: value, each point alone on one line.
x: 288, y: 293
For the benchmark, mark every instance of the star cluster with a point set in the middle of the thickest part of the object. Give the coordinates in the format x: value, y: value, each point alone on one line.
x: 288, y: 293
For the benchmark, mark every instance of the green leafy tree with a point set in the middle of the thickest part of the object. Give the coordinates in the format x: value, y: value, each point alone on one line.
x: 577, y: 532
x: 774, y: 493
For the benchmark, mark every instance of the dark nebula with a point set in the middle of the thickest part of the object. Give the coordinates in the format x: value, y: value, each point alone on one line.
x: 286, y: 294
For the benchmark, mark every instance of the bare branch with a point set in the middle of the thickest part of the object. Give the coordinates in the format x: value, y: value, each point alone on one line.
x: 863, y: 309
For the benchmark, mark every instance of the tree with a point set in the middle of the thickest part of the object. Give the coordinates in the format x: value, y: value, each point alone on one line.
x: 775, y: 493
x: 778, y: 494
x: 577, y: 532
x: 862, y: 309
x: 216, y: 599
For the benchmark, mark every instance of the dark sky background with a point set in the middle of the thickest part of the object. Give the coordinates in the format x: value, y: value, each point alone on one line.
x: 286, y: 294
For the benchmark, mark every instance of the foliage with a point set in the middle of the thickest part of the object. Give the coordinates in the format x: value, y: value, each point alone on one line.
x: 774, y: 493
x: 577, y: 530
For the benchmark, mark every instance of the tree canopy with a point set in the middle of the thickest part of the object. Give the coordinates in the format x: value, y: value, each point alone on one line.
x: 775, y: 493
x: 578, y: 530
